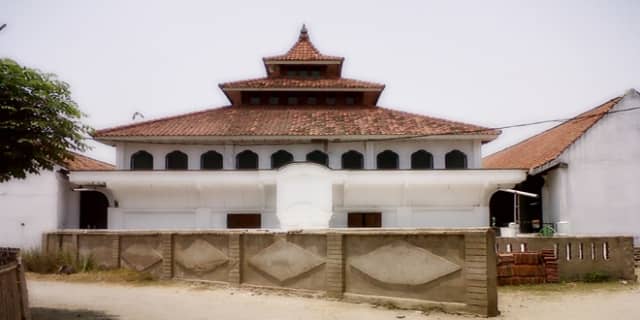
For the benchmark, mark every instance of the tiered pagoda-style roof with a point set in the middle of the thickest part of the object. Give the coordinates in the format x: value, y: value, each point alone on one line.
x: 303, y: 94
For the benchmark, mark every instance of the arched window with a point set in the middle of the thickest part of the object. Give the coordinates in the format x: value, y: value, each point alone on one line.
x: 318, y: 157
x: 247, y: 160
x: 455, y: 159
x: 387, y: 160
x: 352, y: 160
x: 211, y: 160
x: 421, y: 160
x: 141, y: 160
x: 176, y: 160
x: 280, y: 158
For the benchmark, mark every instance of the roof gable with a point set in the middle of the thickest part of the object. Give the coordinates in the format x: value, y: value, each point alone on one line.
x: 548, y: 145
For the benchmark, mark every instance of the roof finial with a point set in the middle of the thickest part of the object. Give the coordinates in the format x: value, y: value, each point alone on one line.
x: 304, y: 35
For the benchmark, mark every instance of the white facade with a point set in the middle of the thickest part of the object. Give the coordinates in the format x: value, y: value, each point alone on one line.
x: 598, y: 190
x: 31, y: 206
x: 439, y: 147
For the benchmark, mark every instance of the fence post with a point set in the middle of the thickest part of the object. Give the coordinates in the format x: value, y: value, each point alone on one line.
x: 166, y: 246
x: 335, y: 265
x: 235, y: 257
x: 481, y: 272
x: 115, y: 250
x: 22, y: 282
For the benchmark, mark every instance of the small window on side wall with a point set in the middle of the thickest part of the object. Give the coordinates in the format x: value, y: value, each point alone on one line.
x: 247, y: 160
x: 455, y: 159
x: 280, y: 158
x: 211, y: 160
x: 318, y: 157
x: 387, y: 160
x: 364, y: 220
x: 176, y: 160
x: 244, y: 221
x: 141, y: 160
x: 421, y: 160
x: 352, y: 160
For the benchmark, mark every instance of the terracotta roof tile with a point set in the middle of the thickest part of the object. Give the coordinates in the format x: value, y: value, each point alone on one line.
x: 80, y: 163
x: 548, y: 145
x: 303, y: 50
x: 334, y: 83
x: 298, y: 121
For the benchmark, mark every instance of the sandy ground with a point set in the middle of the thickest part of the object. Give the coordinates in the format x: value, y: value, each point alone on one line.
x: 56, y: 300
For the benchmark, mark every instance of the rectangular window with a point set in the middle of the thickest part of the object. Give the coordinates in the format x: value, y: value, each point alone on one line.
x: 350, y: 100
x: 254, y: 100
x: 244, y: 221
x: 274, y: 100
x: 291, y: 73
x: 364, y: 219
x: 312, y: 100
x: 315, y: 73
x: 292, y: 100
x: 330, y: 100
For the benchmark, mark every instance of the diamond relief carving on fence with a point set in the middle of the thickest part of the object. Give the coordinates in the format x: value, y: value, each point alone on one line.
x: 141, y: 257
x: 201, y: 257
x: 402, y: 263
x: 284, y: 260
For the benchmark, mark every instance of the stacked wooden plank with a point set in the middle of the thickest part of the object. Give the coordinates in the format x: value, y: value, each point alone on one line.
x: 636, y: 256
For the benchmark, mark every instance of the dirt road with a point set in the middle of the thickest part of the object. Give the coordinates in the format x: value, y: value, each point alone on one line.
x: 54, y: 300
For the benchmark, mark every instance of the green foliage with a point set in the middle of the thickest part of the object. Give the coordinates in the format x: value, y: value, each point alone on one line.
x: 49, y: 262
x: 39, y: 122
x: 547, y: 231
x: 596, y: 276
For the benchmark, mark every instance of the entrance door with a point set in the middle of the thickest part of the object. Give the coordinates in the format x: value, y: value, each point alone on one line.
x: 93, y: 210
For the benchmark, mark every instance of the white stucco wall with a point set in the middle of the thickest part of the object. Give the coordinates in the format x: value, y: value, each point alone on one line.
x: 31, y: 206
x: 437, y: 147
x: 300, y: 195
x: 599, y: 191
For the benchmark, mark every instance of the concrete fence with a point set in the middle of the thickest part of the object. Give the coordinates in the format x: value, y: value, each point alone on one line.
x: 451, y: 269
x: 578, y: 256
x: 14, y: 303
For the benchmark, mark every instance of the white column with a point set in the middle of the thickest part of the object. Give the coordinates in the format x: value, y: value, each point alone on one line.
x: 369, y: 155
x: 228, y: 157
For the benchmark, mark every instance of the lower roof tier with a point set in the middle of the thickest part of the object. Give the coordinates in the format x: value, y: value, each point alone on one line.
x: 301, y: 121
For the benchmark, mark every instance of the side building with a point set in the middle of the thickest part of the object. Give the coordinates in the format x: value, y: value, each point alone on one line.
x: 585, y: 169
x: 47, y: 202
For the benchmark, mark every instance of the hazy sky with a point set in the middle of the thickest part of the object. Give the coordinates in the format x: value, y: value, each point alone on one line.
x: 491, y: 63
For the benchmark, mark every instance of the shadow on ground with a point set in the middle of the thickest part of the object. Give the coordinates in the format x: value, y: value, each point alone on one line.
x: 64, y: 314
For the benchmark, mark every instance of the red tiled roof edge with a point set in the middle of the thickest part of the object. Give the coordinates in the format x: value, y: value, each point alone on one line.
x: 84, y: 163
x: 508, y: 157
x: 283, y: 83
x: 102, y: 132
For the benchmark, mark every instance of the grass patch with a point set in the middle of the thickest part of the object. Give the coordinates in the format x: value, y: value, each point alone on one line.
x: 50, y: 262
x: 113, y: 276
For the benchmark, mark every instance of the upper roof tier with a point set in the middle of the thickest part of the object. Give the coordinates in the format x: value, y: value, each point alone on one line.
x: 302, y: 50
x: 304, y: 96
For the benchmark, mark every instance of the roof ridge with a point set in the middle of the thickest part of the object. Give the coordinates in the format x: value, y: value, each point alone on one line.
x: 126, y: 126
